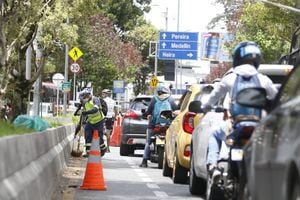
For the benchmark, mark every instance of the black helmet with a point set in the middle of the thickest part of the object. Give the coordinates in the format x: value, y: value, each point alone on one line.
x: 246, y: 53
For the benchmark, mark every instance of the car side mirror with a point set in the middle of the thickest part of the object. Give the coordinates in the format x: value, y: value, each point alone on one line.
x: 195, y: 106
x: 252, y: 97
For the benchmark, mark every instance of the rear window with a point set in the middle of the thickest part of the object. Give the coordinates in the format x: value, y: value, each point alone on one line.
x: 140, y: 103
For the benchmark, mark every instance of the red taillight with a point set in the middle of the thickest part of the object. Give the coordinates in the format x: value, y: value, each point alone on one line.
x: 246, y: 132
x: 187, y: 150
x: 131, y: 114
x: 188, y: 122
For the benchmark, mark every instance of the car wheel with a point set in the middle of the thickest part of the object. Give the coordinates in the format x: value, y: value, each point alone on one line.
x: 197, y: 186
x: 296, y: 190
x: 160, y: 152
x: 179, y: 172
x: 213, y: 192
x: 124, y: 150
x: 167, y: 171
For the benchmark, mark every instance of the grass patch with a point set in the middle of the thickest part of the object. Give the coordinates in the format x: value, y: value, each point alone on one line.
x: 9, y: 129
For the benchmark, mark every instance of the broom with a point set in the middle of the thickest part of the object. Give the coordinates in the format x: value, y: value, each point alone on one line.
x: 76, y: 150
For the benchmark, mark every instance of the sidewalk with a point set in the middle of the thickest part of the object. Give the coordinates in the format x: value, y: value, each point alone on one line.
x: 70, y: 179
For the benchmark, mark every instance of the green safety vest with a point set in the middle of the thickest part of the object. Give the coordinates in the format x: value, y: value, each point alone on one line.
x: 95, y: 117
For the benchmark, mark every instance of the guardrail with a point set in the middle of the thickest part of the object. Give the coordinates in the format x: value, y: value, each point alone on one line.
x: 31, y: 164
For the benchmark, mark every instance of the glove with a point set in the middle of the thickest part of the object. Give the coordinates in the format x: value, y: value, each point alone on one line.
x: 219, y: 109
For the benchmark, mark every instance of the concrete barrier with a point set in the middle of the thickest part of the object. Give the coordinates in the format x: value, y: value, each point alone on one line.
x: 31, y: 164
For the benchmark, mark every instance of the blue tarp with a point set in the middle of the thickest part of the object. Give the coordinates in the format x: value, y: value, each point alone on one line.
x: 33, y: 122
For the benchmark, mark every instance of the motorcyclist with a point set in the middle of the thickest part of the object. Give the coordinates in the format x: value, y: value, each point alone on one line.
x: 94, y: 119
x: 162, y: 92
x: 111, y: 114
x: 246, y: 59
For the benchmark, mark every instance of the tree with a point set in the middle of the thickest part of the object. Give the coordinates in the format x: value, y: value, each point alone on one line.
x: 269, y: 26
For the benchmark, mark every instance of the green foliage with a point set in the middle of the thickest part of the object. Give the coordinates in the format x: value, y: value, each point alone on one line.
x: 124, y: 14
x: 9, y: 129
x: 271, y: 27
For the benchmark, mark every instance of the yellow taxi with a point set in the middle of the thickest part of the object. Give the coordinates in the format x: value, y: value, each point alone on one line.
x: 178, y: 137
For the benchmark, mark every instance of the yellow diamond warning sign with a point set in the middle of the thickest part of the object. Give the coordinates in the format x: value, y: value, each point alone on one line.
x: 154, y: 82
x: 75, y: 53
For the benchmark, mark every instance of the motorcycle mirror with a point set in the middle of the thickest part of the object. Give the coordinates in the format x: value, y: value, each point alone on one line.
x: 195, y: 106
x: 252, y: 97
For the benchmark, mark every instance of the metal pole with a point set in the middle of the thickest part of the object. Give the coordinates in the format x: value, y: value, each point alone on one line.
x: 66, y: 73
x: 74, y: 87
x: 57, y: 101
x: 176, y: 61
x: 280, y: 5
x: 155, y: 62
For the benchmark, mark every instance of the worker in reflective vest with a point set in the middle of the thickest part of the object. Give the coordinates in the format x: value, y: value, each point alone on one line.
x: 94, y: 119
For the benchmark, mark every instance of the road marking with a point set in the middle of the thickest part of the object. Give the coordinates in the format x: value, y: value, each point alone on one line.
x: 160, y: 194
x: 147, y: 180
x: 152, y: 186
x: 142, y: 174
x: 138, y: 170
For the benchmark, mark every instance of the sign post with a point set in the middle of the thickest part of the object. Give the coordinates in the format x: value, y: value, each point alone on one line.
x: 178, y: 46
x: 75, y: 68
x: 57, y: 79
x: 75, y: 53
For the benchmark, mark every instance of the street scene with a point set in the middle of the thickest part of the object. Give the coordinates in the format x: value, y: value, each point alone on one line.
x: 150, y: 99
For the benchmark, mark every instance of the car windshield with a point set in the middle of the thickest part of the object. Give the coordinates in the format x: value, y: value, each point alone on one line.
x: 140, y: 103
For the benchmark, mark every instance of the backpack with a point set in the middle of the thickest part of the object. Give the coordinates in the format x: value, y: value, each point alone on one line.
x: 242, y: 82
x: 160, y: 105
x: 103, y: 106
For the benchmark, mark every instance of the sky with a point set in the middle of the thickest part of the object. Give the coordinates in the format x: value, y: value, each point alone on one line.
x: 194, y: 15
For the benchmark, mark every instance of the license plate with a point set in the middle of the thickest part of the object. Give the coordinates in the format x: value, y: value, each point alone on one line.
x: 139, y: 141
x: 237, y: 154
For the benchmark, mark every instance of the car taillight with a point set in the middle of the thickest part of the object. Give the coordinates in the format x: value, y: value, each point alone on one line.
x: 187, y: 150
x: 131, y: 114
x: 188, y: 122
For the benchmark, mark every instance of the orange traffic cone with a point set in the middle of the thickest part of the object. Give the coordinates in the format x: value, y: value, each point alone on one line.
x: 93, y: 178
x: 116, y: 133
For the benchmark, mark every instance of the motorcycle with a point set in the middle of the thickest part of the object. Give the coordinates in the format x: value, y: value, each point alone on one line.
x: 230, y: 180
x: 157, y: 143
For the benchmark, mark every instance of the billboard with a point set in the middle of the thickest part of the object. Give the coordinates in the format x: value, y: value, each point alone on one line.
x: 213, y: 46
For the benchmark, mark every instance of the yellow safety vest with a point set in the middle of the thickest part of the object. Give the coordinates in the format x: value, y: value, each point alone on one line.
x: 95, y: 117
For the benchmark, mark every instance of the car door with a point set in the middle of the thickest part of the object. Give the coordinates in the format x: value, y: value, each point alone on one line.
x: 272, y: 132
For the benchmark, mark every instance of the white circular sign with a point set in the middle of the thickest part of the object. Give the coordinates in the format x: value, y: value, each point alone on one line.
x: 58, y: 78
x: 75, y: 68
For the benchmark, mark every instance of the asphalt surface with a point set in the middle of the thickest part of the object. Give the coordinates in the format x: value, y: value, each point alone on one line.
x: 123, y: 178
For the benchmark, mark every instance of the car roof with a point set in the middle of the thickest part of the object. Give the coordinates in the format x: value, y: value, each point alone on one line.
x: 275, y: 69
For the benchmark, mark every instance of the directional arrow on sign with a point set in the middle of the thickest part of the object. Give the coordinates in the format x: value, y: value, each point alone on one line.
x: 190, y: 55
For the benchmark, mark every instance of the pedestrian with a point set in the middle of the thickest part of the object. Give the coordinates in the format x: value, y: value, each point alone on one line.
x: 92, y: 111
x: 246, y: 59
x: 110, y: 116
x: 163, y: 93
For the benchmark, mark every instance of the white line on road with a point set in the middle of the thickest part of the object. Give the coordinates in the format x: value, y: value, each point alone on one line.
x: 147, y: 180
x: 142, y: 174
x: 152, y: 186
x: 160, y: 194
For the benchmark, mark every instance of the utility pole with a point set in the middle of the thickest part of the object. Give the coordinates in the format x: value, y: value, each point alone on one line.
x: 176, y: 61
x: 66, y: 73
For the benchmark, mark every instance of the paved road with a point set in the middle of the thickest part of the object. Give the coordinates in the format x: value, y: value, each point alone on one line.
x: 124, y: 180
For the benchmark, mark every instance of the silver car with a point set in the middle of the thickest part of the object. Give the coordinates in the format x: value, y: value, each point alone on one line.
x: 134, y: 126
x: 273, y: 154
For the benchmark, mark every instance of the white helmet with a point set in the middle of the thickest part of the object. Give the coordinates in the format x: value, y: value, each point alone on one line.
x: 84, y: 93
